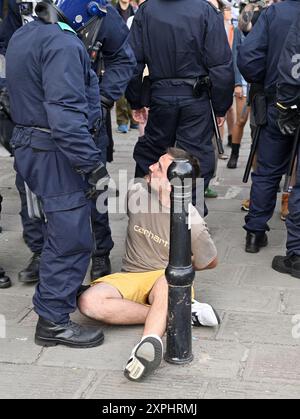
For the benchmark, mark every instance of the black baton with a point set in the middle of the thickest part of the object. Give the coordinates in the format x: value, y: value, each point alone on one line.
x: 289, y: 175
x: 252, y: 154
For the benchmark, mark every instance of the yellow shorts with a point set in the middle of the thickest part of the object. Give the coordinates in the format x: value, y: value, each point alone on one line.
x: 132, y: 286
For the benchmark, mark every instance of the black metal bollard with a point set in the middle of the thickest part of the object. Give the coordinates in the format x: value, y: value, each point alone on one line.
x: 180, y: 273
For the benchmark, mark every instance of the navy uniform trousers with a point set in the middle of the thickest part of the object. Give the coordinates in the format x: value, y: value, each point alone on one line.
x: 181, y: 121
x: 68, y: 236
x: 33, y: 230
x: 273, y: 155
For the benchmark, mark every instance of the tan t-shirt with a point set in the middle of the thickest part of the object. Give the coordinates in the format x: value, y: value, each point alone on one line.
x: 148, y: 234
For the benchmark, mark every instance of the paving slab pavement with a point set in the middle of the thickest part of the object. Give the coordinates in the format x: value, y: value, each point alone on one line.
x: 254, y: 353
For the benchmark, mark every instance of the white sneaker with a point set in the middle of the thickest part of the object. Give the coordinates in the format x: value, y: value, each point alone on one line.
x: 145, y: 358
x: 204, y: 315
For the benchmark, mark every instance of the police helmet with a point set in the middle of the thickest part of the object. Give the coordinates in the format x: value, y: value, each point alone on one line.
x: 79, y: 13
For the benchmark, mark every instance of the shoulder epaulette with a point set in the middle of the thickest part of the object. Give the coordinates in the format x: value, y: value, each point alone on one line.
x: 65, y: 27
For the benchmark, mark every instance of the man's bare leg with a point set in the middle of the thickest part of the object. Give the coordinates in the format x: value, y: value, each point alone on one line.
x: 147, y: 355
x: 103, y: 302
x: 156, y: 321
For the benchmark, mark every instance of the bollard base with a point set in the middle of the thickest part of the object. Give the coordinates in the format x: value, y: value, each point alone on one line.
x: 177, y: 361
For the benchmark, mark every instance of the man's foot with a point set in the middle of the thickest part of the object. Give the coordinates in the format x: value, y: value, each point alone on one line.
x: 204, y: 315
x: 145, y: 358
x: 32, y: 271
x: 210, y: 193
x: 245, y: 205
x: 101, y: 266
x: 123, y: 129
x: 287, y: 265
x: 254, y: 241
x: 284, y: 206
x: 69, y: 334
x: 5, y: 282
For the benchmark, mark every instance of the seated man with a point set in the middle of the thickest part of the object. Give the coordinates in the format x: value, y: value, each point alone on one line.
x: 139, y: 294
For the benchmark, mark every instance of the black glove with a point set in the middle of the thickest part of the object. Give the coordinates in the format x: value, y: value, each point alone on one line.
x: 106, y: 105
x: 98, y: 180
x: 288, y: 119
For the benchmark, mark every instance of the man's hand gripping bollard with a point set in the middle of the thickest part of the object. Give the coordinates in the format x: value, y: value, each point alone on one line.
x: 180, y: 273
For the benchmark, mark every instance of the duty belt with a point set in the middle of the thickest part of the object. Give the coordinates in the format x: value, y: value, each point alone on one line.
x: 177, y: 87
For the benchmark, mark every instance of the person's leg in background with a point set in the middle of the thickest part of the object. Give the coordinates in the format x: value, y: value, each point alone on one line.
x: 242, y: 113
x: 230, y: 118
x: 122, y: 115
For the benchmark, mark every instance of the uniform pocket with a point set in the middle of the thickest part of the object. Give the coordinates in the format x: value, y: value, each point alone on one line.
x: 69, y: 225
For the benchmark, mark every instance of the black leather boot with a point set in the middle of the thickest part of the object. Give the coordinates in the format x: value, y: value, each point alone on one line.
x: 100, y: 267
x: 287, y: 265
x: 254, y: 241
x: 32, y: 271
x: 235, y: 151
x: 5, y: 282
x: 70, y: 334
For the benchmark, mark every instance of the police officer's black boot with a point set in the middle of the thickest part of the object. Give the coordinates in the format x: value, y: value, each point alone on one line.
x: 235, y: 151
x: 5, y: 282
x: 69, y: 334
x: 101, y: 266
x: 254, y: 241
x: 287, y: 265
x: 32, y: 271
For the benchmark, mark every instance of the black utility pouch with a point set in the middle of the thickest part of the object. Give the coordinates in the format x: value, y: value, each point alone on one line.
x: 259, y: 107
x: 200, y: 86
x: 146, y: 92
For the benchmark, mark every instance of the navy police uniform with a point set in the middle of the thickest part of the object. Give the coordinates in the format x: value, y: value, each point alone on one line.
x: 258, y: 59
x: 180, y: 40
x: 119, y: 63
x: 288, y: 96
x: 48, y: 79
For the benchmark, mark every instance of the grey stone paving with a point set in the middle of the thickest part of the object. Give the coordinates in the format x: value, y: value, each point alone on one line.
x: 253, y: 354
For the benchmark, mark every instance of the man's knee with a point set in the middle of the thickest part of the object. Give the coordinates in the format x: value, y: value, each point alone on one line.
x: 160, y: 289
x: 91, y: 305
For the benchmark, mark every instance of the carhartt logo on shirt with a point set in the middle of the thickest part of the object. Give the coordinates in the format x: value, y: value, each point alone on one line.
x: 151, y: 235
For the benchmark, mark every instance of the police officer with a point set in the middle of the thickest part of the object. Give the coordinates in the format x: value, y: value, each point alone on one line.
x: 118, y: 61
x: 257, y: 60
x: 181, y: 41
x: 288, y: 96
x: 49, y: 80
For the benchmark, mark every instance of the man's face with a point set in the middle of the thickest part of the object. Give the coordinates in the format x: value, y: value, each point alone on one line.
x: 158, y: 174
